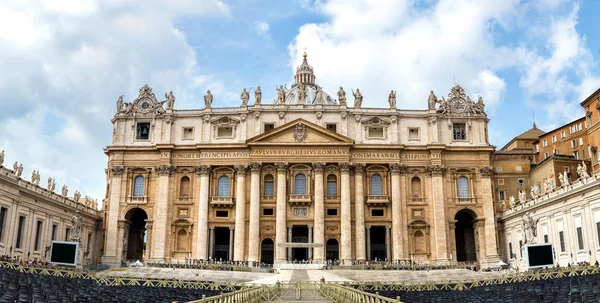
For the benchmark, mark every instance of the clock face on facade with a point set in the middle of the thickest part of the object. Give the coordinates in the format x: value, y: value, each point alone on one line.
x: 458, y: 105
x: 145, y: 105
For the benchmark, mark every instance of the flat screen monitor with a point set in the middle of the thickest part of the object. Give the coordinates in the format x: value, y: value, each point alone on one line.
x: 539, y: 255
x: 64, y: 253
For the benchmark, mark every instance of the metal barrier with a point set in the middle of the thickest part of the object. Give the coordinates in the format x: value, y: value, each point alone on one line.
x: 250, y: 295
x: 343, y: 294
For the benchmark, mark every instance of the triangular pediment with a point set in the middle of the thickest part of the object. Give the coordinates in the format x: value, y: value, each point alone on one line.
x: 300, y: 132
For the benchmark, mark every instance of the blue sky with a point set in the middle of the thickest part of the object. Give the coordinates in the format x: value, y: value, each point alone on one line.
x: 66, y: 62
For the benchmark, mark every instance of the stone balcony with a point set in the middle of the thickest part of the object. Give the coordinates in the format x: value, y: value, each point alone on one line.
x: 378, y: 200
x: 465, y: 201
x: 298, y: 199
x: 218, y: 201
x: 137, y: 200
x: 185, y: 199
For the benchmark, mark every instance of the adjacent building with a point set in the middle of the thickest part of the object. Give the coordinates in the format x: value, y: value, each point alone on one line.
x: 306, y: 177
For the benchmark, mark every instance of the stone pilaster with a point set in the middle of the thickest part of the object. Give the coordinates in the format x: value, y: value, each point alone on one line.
x: 310, y: 238
x: 161, y: 207
x: 396, y: 212
x: 346, y: 216
x: 289, y: 239
x: 359, y: 211
x: 240, y: 213
x: 368, y: 242
x: 491, y: 246
x: 280, y: 219
x: 231, y: 243
x: 254, y: 228
x: 110, y: 252
x: 319, y: 231
x: 388, y: 249
x: 202, y: 242
x: 211, y: 243
x: 439, y: 211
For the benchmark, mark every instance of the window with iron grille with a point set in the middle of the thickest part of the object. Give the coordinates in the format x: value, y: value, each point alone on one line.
x: 376, y: 185
x: 223, y: 186
x: 143, y: 131
x: 459, y: 131
x: 300, y: 184
x: 463, y: 187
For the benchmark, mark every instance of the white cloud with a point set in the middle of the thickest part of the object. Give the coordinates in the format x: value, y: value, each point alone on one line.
x: 262, y: 29
x: 73, y: 59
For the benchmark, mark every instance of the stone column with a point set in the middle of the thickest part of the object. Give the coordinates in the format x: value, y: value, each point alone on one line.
x: 319, y: 232
x: 439, y: 211
x: 211, y: 245
x: 346, y: 216
x: 110, y: 252
x: 289, y: 239
x: 359, y: 210
x: 160, y: 210
x: 310, y: 237
x: 231, y: 244
x: 254, y: 229
x: 388, y: 252
x: 368, y: 242
x: 280, y: 219
x: 396, y: 212
x: 204, y: 172
x: 489, y: 232
x: 240, y: 213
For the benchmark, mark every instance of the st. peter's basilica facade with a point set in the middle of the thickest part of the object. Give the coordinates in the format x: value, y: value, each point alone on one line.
x: 307, y: 177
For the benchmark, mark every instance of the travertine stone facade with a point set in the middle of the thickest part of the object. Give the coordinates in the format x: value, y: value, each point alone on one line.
x: 365, y: 183
x: 32, y: 216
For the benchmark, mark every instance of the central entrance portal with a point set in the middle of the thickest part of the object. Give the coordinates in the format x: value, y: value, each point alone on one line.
x: 299, y: 235
x: 378, y: 246
x: 221, y: 248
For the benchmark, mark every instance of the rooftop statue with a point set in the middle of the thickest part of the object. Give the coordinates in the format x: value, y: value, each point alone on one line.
x: 170, y: 100
x: 529, y: 228
x: 522, y: 196
x: 280, y: 95
x: 20, y: 170
x: 582, y: 171
x: 257, y: 95
x: 342, y: 96
x: 301, y: 93
x: 15, y: 167
x: 432, y: 100
x: 76, y: 221
x: 76, y: 196
x: 358, y: 97
x: 319, y: 96
x: 120, y: 104
x: 512, y: 202
x: 2, y: 157
x: 392, y: 99
x: 245, y: 96
x: 65, y: 191
x: 208, y: 99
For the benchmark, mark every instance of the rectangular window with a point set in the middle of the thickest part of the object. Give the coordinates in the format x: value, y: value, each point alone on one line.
x: 413, y: 133
x: 554, y: 139
x: 573, y: 143
x: 20, y: 232
x: 519, y: 168
x: 500, y: 181
x: 579, y: 127
x: 332, y: 211
x: 546, y: 155
x: 54, y: 226
x: 580, y: 238
x: 188, y: 133
x: 545, y: 142
x: 510, y: 251
x: 143, y: 131
x: 563, y: 134
x: 459, y: 131
x: 576, y: 155
x: 580, y: 141
x: 269, y: 127
x: 555, y: 151
x: 545, y: 238
x: 222, y: 213
x: 332, y: 127
x: 269, y: 188
x: 561, y: 238
x: 498, y: 168
x: 521, y: 248
x: 376, y: 132
x: 267, y: 211
x: 377, y: 212
x: 3, y: 211
x: 225, y: 132
x: 501, y: 194
x: 331, y: 188
x: 537, y: 148
x: 38, y: 235
x: 67, y: 232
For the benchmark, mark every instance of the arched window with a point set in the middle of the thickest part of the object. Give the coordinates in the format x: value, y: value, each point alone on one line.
x: 415, y: 187
x: 300, y: 184
x: 463, y: 187
x: 332, y: 185
x: 376, y: 185
x: 184, y: 187
x: 269, y: 188
x: 138, y: 186
x: 223, y: 189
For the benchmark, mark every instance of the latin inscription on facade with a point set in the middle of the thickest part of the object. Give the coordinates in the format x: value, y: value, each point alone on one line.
x: 298, y: 152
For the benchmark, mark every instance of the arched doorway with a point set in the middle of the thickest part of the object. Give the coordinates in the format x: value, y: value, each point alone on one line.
x: 136, y: 239
x: 267, y: 251
x: 332, y: 249
x: 465, y: 236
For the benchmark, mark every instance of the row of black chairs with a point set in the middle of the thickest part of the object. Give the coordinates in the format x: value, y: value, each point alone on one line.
x: 576, y: 289
x: 21, y: 287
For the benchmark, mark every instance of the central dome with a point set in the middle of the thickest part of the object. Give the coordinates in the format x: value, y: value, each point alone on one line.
x: 304, y: 90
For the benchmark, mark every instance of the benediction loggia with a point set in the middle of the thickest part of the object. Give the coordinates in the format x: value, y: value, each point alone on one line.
x: 249, y: 183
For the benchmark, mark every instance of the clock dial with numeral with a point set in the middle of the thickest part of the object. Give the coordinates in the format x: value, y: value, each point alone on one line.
x: 145, y: 105
x: 458, y: 105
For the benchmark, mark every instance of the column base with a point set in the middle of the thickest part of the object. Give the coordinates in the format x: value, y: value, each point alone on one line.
x: 110, y: 261
x: 346, y: 262
x: 443, y: 261
x: 490, y: 261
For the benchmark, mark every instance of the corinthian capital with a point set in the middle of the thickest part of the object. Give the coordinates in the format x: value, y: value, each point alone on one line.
x: 241, y: 169
x: 344, y: 167
x: 117, y: 170
x: 358, y: 168
x: 281, y: 167
x: 202, y: 169
x: 255, y: 167
x: 165, y: 169
x: 397, y: 168
x: 318, y: 167
x: 486, y: 171
x: 436, y: 170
